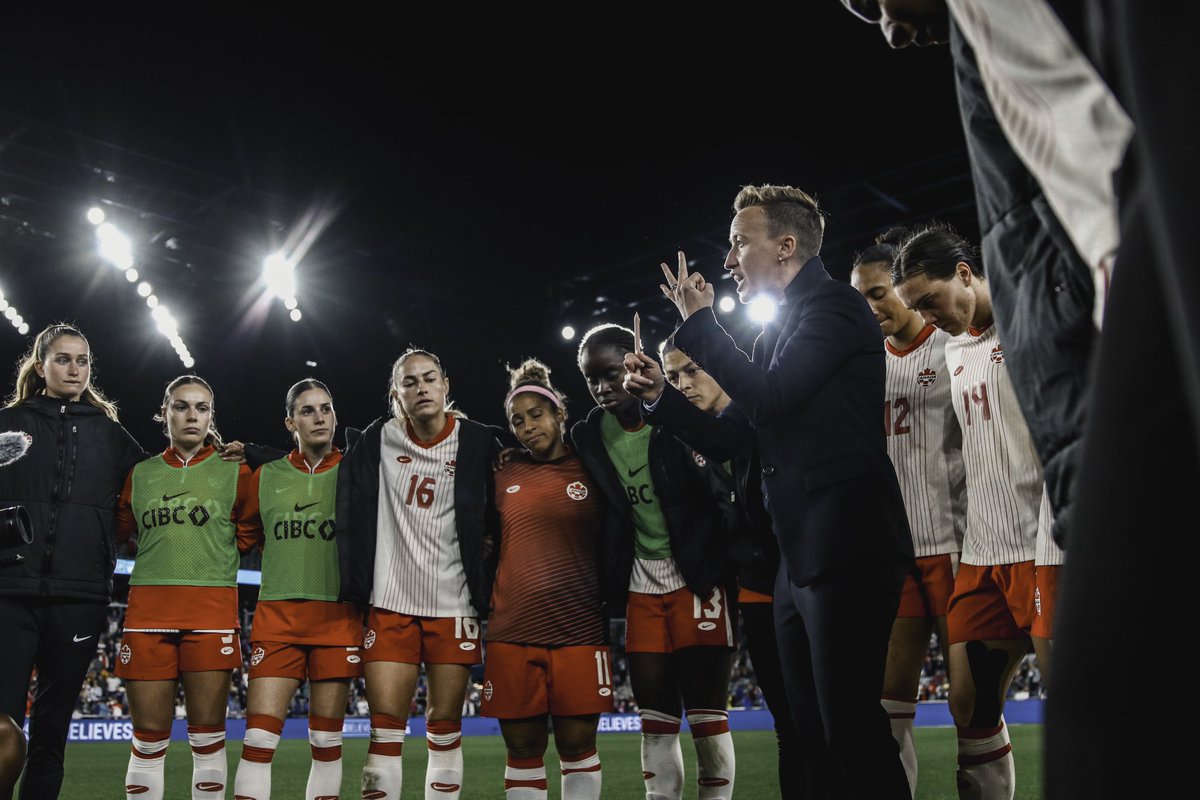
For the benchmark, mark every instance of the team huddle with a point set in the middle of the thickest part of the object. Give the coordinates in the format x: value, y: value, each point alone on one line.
x: 705, y: 497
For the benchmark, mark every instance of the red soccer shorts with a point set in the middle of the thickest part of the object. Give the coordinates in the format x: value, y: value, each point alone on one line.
x: 927, y: 594
x: 162, y: 656
x: 664, y: 623
x: 392, y: 636
x: 527, y: 681
x: 991, y: 602
x: 304, y: 661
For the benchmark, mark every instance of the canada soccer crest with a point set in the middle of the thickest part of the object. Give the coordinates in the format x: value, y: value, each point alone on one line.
x: 926, y: 377
x: 369, y: 639
x: 997, y: 355
x: 126, y: 653
x: 576, y: 490
x: 487, y: 690
x: 257, y: 656
x: 450, y: 465
x: 699, y: 459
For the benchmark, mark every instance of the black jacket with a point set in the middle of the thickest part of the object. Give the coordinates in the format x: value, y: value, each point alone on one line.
x: 68, y: 482
x: 358, y: 506
x: 696, y: 524
x: 808, y: 401
x: 752, y: 545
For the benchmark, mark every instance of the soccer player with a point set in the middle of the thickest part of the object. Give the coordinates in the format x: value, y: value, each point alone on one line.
x: 547, y: 635
x: 188, y: 511
x: 925, y: 445
x: 756, y: 553
x: 300, y: 630
x: 670, y: 559
x: 938, y: 273
x: 414, y: 493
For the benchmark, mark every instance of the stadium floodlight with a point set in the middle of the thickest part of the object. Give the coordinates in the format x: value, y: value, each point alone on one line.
x: 279, y: 273
x: 762, y: 309
x: 115, y: 247
x: 95, y: 215
x: 131, y: 275
x: 726, y: 303
x: 24, y: 329
x: 144, y: 289
x: 290, y: 303
x: 568, y: 332
x: 152, y: 300
x: 10, y: 312
x: 295, y: 315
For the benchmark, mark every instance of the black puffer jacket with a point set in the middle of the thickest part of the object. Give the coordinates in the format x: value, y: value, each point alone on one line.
x: 68, y: 482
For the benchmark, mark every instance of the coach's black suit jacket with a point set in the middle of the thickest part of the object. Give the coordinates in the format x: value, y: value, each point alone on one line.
x: 812, y: 400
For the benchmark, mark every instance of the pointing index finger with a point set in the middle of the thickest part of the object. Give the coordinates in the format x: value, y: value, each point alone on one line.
x: 637, y: 333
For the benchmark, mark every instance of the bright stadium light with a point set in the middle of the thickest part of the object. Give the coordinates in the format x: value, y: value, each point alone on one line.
x: 726, y: 304
x: 280, y: 276
x: 24, y: 329
x: 115, y: 247
x: 95, y: 215
x: 568, y: 332
x: 295, y: 315
x: 131, y: 275
x: 762, y: 309
x: 152, y: 301
x: 144, y: 289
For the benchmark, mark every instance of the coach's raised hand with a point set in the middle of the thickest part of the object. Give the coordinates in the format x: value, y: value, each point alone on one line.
x: 689, y: 293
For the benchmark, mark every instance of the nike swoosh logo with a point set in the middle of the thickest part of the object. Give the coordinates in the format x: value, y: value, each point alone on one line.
x: 633, y: 472
x: 438, y: 786
x: 169, y: 497
x: 309, y: 505
x: 81, y: 638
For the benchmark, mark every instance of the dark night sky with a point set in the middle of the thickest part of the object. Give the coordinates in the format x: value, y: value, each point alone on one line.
x: 482, y: 181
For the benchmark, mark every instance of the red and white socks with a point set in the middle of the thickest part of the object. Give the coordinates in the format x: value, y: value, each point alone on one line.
x: 382, y: 771
x: 901, y: 714
x: 253, y: 778
x: 209, y: 768
x: 444, y: 773
x: 662, y: 759
x: 325, y: 742
x: 985, y: 764
x: 714, y: 752
x: 581, y: 776
x: 147, y: 756
x: 525, y: 778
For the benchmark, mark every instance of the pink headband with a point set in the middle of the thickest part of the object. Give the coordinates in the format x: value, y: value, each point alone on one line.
x: 536, y: 390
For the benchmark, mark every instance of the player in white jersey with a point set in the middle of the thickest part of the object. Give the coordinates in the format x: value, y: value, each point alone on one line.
x: 413, y: 496
x: 939, y: 274
x: 925, y: 445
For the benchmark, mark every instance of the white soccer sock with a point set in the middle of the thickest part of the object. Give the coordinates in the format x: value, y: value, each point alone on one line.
x: 985, y: 764
x: 525, y: 779
x: 209, y: 767
x: 147, y: 756
x: 253, y: 778
x: 581, y: 776
x: 900, y: 714
x: 662, y: 758
x: 444, y: 772
x: 715, y: 763
x: 325, y: 774
x: 383, y: 771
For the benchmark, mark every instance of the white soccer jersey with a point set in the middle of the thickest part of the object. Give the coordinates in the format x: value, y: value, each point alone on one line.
x: 925, y: 444
x: 1049, y: 554
x: 418, y: 564
x: 1004, y: 474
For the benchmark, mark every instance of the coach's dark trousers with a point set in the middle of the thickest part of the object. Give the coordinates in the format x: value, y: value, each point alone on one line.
x: 833, y: 638
x: 59, y: 637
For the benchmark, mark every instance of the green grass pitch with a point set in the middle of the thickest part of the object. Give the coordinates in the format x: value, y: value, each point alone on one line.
x: 96, y: 771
